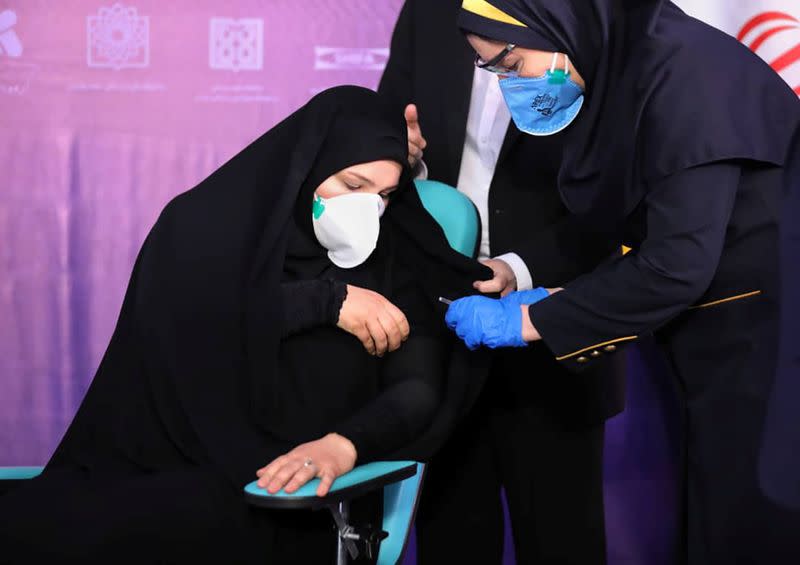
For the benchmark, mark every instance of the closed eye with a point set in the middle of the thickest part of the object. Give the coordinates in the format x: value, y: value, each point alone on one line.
x: 388, y: 192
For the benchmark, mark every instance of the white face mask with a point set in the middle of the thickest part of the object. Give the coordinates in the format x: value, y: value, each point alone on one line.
x: 348, y: 226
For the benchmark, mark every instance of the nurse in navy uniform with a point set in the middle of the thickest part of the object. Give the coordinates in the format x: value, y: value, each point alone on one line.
x: 677, y: 143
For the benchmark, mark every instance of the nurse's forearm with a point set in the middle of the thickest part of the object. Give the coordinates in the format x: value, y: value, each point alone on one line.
x: 687, y: 218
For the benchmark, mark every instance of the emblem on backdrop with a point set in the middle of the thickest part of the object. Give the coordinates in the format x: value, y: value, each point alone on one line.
x: 10, y: 45
x: 15, y: 75
x: 775, y: 37
x: 350, y: 58
x: 236, y: 44
x: 118, y: 38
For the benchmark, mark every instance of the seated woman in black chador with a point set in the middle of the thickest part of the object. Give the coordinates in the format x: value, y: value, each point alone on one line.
x: 274, y: 323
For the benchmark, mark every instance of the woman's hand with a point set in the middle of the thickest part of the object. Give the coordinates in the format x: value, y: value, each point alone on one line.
x: 504, y: 280
x: 326, y: 458
x: 416, y: 143
x: 376, y: 322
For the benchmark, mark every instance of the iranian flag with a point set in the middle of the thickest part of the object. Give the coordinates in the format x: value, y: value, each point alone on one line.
x: 771, y: 28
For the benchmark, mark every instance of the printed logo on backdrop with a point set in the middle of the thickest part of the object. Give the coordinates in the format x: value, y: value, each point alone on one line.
x: 10, y: 45
x: 15, y: 75
x: 118, y: 38
x: 236, y: 45
x: 775, y: 37
x: 350, y: 58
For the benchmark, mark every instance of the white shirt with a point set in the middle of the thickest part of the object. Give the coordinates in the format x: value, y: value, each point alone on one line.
x: 487, y: 124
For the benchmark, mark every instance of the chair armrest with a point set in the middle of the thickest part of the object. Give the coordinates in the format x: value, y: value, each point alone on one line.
x: 362, y: 479
x: 14, y: 477
x: 19, y: 473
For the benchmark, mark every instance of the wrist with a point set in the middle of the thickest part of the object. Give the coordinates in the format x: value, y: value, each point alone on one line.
x: 521, y: 273
x: 529, y: 332
x: 338, y: 295
x: 345, y: 444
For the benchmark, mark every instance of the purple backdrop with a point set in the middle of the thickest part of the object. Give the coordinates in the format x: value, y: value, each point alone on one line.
x: 108, y: 110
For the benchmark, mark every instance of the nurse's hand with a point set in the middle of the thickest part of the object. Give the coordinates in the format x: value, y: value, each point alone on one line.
x: 504, y: 280
x: 327, y: 458
x: 527, y: 296
x: 377, y: 323
x: 479, y: 320
x: 416, y: 143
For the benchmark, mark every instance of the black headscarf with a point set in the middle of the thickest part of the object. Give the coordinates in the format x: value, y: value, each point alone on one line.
x: 664, y: 92
x: 189, y: 371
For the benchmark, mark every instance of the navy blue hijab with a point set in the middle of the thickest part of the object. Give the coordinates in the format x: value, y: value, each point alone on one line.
x: 664, y: 93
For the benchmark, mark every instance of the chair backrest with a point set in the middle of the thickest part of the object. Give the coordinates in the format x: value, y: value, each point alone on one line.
x: 454, y: 211
x: 399, y: 508
x: 459, y: 219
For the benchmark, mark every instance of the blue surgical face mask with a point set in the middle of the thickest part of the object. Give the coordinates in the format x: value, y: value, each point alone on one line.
x: 543, y: 105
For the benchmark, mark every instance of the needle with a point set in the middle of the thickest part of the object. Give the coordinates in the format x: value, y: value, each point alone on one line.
x: 445, y: 300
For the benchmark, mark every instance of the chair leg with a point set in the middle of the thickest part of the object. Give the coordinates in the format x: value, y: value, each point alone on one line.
x: 344, y: 542
x: 341, y: 550
x: 353, y: 540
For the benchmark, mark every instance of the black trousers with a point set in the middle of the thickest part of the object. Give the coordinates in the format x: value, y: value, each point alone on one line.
x: 552, y: 476
x: 723, y: 358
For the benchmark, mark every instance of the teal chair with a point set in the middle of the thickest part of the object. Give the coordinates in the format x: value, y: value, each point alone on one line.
x: 401, y: 481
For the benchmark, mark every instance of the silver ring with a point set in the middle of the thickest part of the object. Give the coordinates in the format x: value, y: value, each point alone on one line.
x: 308, y: 462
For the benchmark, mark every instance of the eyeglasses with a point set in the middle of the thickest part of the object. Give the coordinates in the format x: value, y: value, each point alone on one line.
x: 493, y: 65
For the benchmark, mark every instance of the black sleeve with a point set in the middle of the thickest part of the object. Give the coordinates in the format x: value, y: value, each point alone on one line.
x: 687, y: 218
x: 412, y: 380
x: 396, y: 84
x: 308, y: 304
x: 564, y: 251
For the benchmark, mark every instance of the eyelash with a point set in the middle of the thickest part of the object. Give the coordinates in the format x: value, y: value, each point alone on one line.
x: 356, y: 187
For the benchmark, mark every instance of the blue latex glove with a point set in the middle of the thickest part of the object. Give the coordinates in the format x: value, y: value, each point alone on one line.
x: 521, y: 297
x: 478, y: 320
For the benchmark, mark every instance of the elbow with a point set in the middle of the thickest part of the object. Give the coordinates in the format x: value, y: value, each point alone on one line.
x: 684, y: 283
x: 424, y: 402
x: 692, y: 285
